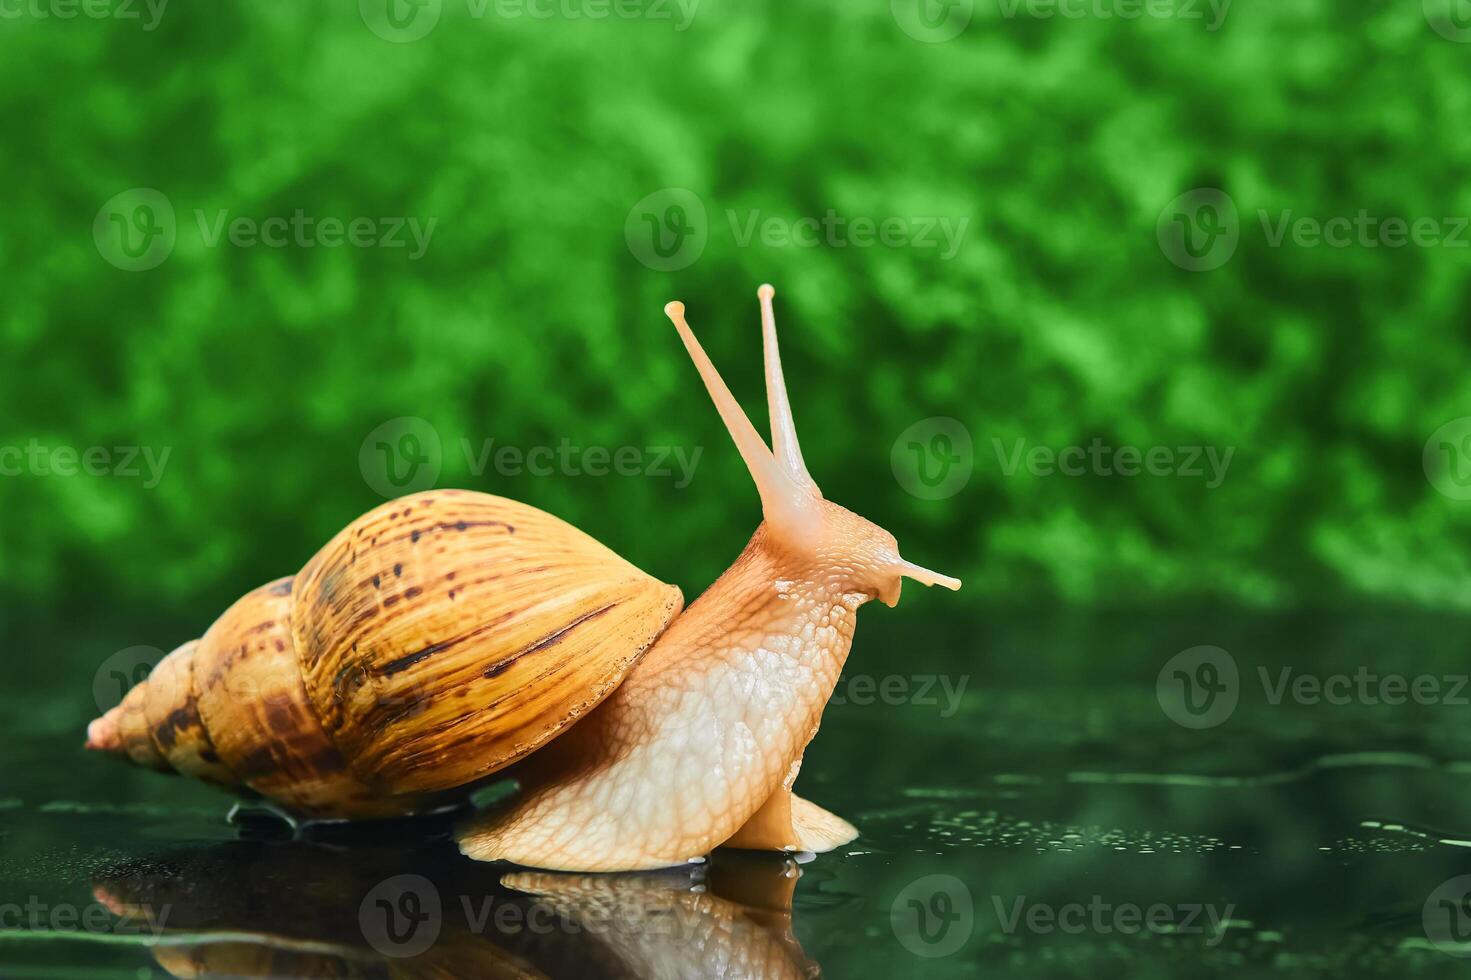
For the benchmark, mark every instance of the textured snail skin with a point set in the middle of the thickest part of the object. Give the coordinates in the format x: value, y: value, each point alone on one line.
x: 709, y: 725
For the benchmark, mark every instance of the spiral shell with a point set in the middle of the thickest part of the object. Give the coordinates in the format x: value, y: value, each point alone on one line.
x: 434, y: 641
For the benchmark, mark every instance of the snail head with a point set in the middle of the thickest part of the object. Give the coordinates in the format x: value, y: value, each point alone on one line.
x: 829, y: 541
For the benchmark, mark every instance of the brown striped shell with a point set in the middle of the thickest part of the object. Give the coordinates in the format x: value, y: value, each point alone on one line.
x: 434, y: 641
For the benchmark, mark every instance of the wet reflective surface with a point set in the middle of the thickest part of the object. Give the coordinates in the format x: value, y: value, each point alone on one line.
x: 1028, y: 806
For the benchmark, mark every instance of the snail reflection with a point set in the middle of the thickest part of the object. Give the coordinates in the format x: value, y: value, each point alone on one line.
x: 308, y: 909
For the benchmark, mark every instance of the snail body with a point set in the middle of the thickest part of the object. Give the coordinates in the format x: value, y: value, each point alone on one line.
x: 500, y: 627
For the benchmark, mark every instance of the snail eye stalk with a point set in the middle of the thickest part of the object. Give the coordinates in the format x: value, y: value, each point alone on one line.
x: 790, y: 506
x: 784, y: 443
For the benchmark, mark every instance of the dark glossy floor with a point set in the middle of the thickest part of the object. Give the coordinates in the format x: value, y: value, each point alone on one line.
x: 1029, y: 806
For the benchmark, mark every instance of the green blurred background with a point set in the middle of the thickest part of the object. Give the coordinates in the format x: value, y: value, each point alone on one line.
x: 533, y: 314
x: 1112, y: 188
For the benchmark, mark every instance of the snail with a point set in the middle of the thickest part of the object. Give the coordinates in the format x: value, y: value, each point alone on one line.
x: 448, y: 636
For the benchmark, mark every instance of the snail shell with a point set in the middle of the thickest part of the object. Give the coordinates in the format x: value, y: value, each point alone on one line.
x: 434, y: 641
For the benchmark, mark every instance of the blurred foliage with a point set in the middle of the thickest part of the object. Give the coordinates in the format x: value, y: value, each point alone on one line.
x: 529, y: 320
